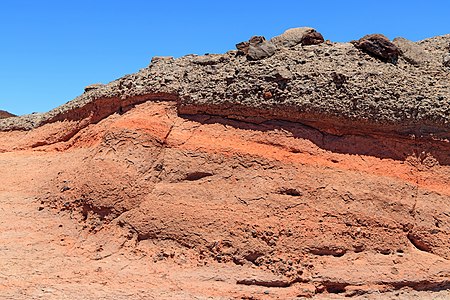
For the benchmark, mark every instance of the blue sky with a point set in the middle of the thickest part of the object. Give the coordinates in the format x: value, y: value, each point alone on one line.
x: 51, y: 49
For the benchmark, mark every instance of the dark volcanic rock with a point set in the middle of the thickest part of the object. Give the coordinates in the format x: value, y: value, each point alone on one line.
x: 312, y: 38
x: 378, y: 46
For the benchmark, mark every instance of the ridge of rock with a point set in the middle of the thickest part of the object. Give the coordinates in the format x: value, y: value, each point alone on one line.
x: 318, y: 170
x: 4, y: 114
x: 334, y: 87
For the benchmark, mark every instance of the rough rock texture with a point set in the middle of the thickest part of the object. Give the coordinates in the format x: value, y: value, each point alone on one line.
x: 315, y: 172
x: 92, y: 87
x: 379, y: 46
x: 412, y: 52
x: 5, y: 114
x: 378, y: 97
x: 447, y: 60
x: 294, y: 36
x: 256, y: 48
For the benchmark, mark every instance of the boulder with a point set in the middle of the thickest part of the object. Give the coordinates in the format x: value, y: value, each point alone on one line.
x: 295, y: 36
x: 446, y: 61
x: 313, y: 38
x: 256, y: 48
x: 412, y: 52
x: 243, y: 48
x: 379, y: 46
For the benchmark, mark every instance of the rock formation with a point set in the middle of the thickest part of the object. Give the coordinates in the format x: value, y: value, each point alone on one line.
x: 294, y: 36
x: 379, y: 46
x: 92, y: 87
x: 5, y: 114
x: 323, y: 166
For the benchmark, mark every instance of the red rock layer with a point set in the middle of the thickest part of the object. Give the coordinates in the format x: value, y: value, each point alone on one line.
x: 342, y: 213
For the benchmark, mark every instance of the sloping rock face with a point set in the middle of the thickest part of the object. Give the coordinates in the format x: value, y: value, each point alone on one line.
x: 320, y: 164
x: 5, y: 114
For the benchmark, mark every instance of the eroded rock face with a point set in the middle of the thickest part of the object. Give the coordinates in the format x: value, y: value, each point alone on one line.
x: 323, y: 168
x: 391, y: 101
x: 280, y: 196
x: 361, y: 93
x: 379, y: 46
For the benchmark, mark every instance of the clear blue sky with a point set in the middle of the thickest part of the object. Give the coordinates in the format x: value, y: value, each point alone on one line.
x: 51, y: 49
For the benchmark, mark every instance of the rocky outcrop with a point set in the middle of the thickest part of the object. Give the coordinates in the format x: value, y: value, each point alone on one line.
x: 314, y: 208
x: 320, y: 166
x: 5, y: 114
x: 412, y: 52
x: 92, y: 87
x: 378, y: 46
x: 332, y: 86
x: 256, y: 48
x: 294, y: 36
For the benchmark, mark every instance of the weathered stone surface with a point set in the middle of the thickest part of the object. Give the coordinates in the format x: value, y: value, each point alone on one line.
x: 446, y: 61
x: 156, y: 59
x: 412, y: 52
x: 363, y: 94
x: 259, y: 48
x: 318, y: 170
x: 379, y: 46
x: 281, y: 73
x: 243, y: 47
x: 209, y: 59
x: 94, y: 86
x: 312, y: 38
x: 295, y: 36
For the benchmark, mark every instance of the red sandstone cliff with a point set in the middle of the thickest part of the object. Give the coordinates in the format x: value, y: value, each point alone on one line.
x: 319, y: 173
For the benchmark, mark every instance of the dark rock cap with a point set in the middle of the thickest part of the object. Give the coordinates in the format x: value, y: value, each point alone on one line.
x: 379, y: 46
x: 331, y: 86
